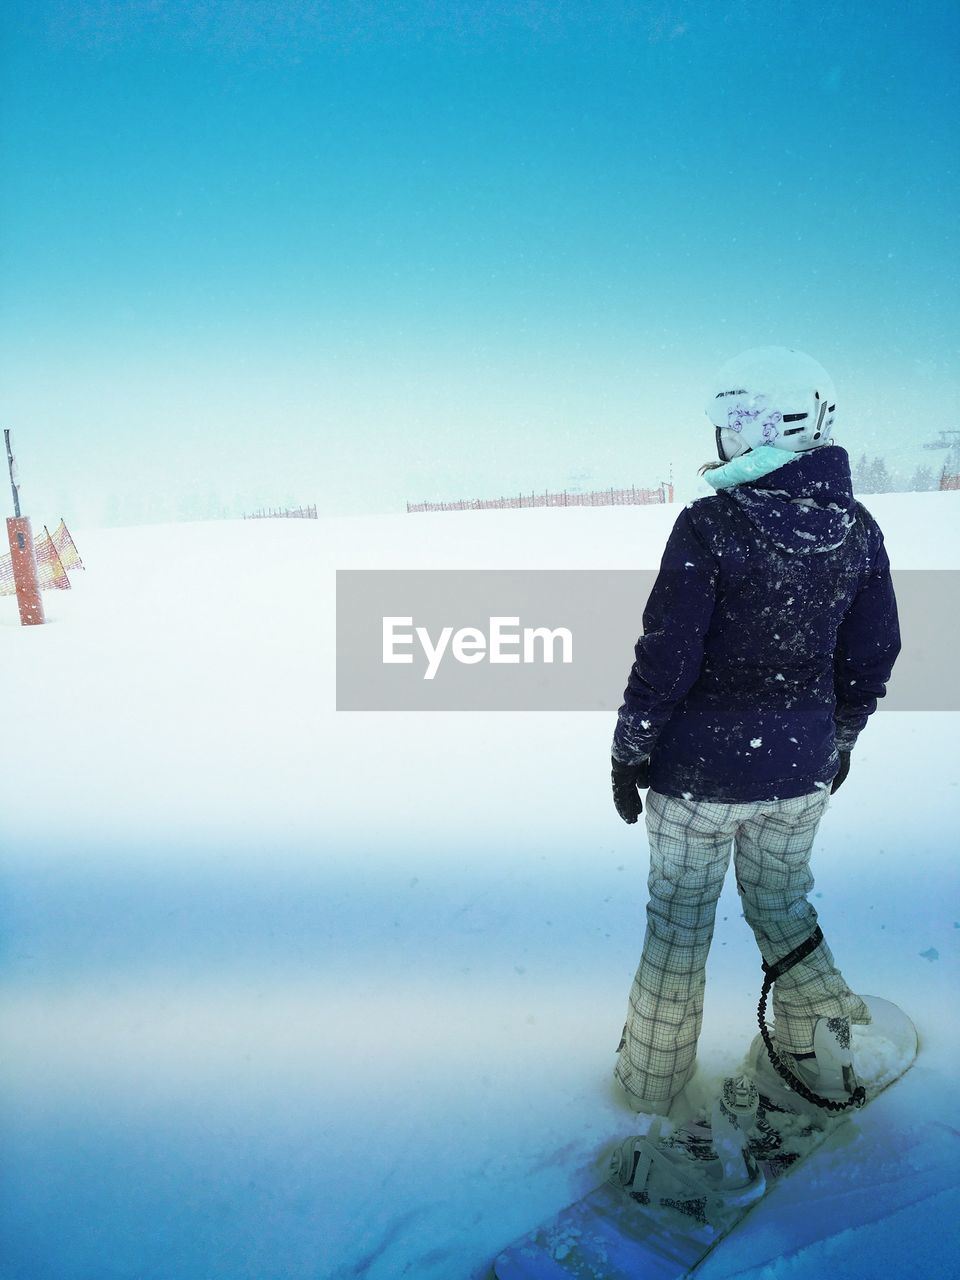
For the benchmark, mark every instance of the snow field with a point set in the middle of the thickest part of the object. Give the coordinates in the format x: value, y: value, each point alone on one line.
x: 289, y: 993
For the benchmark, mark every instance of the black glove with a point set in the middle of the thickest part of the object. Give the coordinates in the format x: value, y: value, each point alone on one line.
x: 626, y: 779
x: 841, y: 772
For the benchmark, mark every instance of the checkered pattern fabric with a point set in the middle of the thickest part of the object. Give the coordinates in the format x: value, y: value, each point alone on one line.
x: 690, y: 846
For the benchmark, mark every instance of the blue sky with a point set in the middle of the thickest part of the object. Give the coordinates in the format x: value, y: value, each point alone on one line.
x: 351, y: 254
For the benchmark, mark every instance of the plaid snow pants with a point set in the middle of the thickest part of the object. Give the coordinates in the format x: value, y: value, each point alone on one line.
x: 690, y: 844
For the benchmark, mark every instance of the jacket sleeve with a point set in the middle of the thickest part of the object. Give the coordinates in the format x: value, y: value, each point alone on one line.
x: 669, y: 654
x: 868, y: 641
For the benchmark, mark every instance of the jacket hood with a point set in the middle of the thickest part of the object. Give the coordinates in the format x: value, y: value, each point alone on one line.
x: 804, y: 506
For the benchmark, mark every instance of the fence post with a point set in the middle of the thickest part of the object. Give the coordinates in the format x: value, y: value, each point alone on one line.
x: 25, y: 575
x: 26, y: 578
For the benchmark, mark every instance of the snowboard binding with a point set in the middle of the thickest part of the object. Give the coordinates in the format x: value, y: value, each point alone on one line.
x: 706, y: 1179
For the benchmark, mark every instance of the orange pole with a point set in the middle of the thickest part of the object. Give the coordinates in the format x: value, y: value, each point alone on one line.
x: 25, y: 570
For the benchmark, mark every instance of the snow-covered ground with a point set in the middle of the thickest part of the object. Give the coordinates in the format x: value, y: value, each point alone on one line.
x: 289, y: 994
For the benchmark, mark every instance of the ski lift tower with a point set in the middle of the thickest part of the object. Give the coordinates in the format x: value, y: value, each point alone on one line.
x: 950, y: 475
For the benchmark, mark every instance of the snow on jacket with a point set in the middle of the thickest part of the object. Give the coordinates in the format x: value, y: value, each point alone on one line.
x: 768, y: 637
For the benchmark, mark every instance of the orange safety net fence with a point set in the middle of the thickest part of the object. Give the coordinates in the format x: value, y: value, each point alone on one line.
x: 55, y: 553
x: 66, y: 547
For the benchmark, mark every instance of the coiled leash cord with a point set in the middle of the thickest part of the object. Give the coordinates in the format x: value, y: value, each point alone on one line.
x: 771, y: 973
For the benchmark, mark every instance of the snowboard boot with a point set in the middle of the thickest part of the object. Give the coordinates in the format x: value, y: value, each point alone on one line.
x: 826, y: 1072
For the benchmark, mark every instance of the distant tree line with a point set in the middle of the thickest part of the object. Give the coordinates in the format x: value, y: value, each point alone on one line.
x: 871, y: 475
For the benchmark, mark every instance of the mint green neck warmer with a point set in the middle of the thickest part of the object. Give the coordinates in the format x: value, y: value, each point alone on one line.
x: 754, y: 465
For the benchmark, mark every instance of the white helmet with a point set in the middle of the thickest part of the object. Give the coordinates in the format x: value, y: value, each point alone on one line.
x: 771, y: 395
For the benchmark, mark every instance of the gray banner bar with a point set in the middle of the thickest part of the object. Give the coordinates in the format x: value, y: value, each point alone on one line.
x: 562, y: 640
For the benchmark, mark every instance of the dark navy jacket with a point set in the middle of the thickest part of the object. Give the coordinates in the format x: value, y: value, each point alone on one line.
x: 767, y: 639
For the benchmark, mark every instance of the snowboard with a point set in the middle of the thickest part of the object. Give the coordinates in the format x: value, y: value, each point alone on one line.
x: 616, y: 1234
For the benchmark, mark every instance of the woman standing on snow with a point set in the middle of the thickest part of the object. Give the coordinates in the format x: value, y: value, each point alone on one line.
x: 767, y: 639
